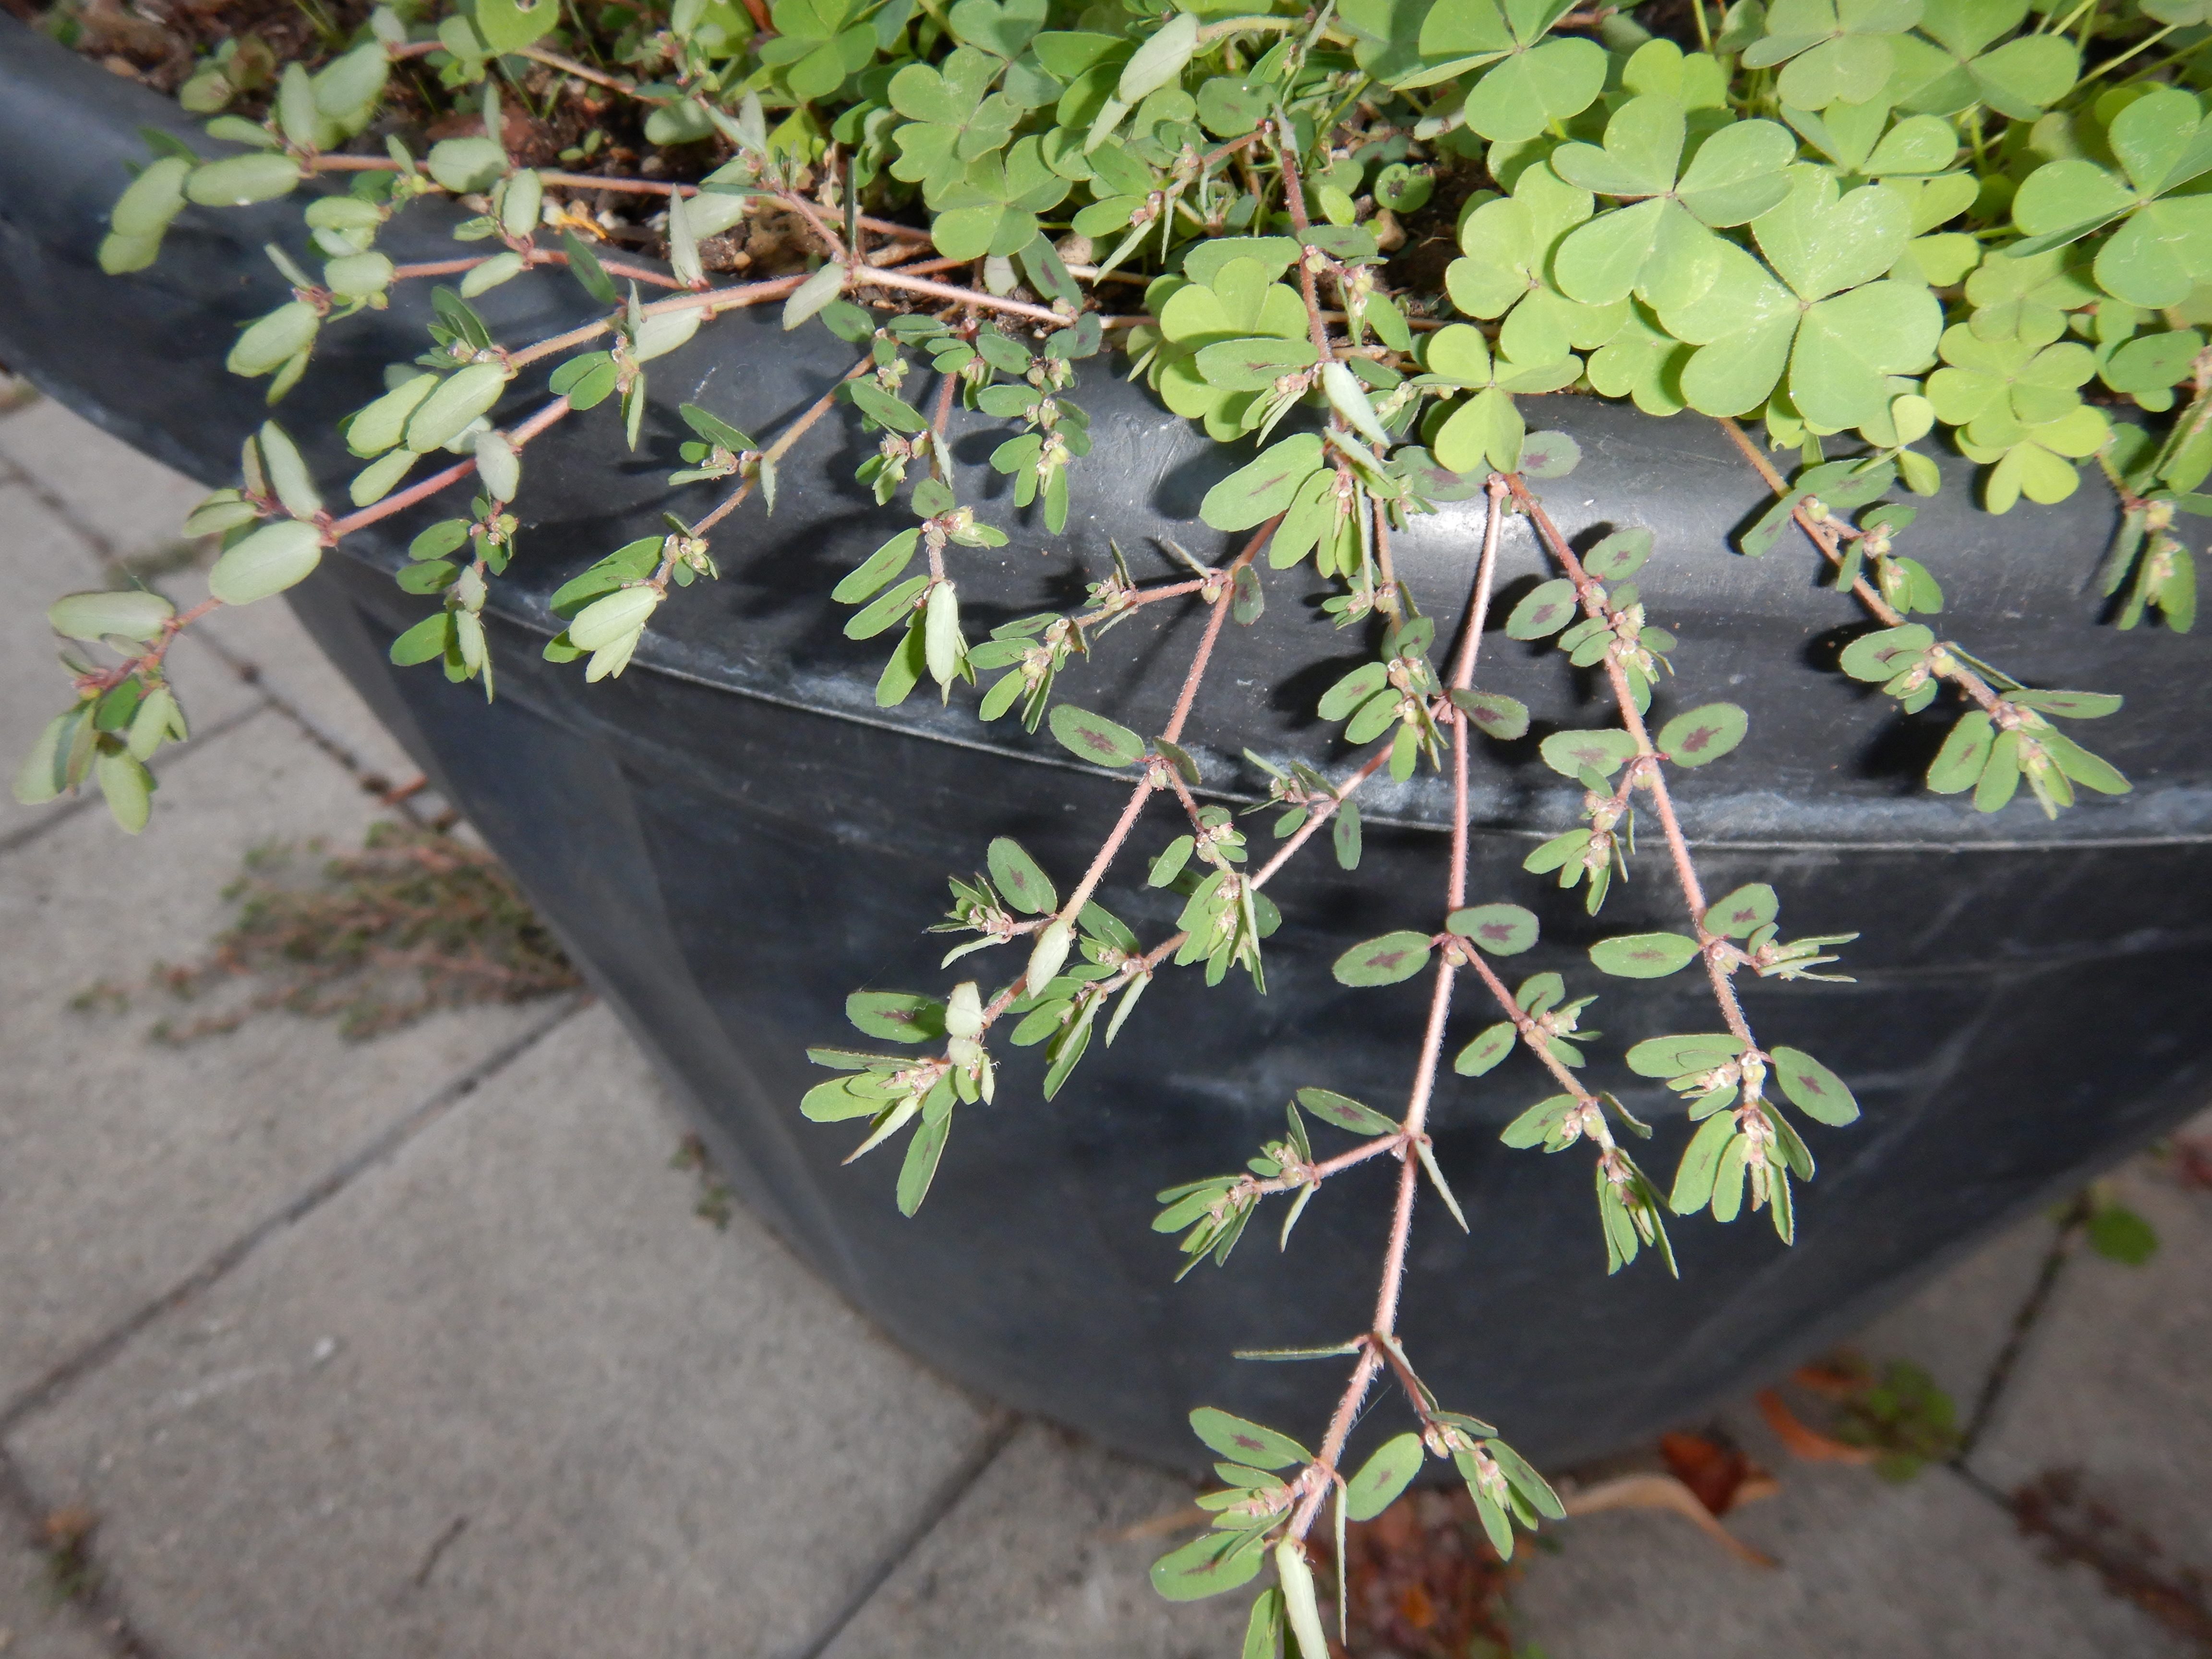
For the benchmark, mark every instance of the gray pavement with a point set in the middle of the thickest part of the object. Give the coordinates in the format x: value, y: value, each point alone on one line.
x: 416, y: 1347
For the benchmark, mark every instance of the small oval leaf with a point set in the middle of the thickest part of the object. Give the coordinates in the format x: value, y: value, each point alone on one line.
x: 1704, y: 734
x: 1247, y: 1443
x: 1548, y: 607
x: 1487, y: 1051
x: 131, y: 614
x: 1383, y: 961
x: 1258, y: 491
x: 2068, y: 705
x: 1383, y: 1477
x: 1743, y: 912
x: 1094, y: 738
x: 1503, y: 930
x: 1813, y: 1089
x: 1682, y: 1056
x: 1206, y: 1566
x: 897, y: 1016
x: 1603, y: 752
x: 267, y: 562
x: 1493, y: 715
x: 1644, y: 955
x: 1536, y: 1125
x: 1619, y: 555
x: 1886, y: 652
x: 1345, y: 1112
x: 1020, y: 881
x: 1548, y: 454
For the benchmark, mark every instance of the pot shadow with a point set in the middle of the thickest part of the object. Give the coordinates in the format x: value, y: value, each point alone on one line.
x: 1298, y: 694
x: 1903, y: 747
x: 973, y: 449
x: 1180, y: 489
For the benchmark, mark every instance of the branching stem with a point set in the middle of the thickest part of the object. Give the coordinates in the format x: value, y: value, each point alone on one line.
x: 399, y: 501
x: 1320, y: 1476
x: 776, y: 451
x: 1652, y: 774
x: 1824, y: 535
x: 1142, y: 791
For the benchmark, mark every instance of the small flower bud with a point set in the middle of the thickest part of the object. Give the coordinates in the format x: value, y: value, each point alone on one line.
x: 1047, y: 955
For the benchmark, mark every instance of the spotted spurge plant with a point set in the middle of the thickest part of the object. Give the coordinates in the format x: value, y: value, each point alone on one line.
x: 1846, y: 230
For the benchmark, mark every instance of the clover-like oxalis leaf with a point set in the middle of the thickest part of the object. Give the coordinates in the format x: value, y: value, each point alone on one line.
x: 2165, y: 247
x: 1660, y: 248
x: 1837, y: 330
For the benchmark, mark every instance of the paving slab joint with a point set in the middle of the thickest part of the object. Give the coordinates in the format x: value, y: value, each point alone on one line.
x: 95, y: 1599
x: 403, y: 796
x: 2073, y: 1224
x: 998, y: 1433
x: 88, y: 798
x: 379, y: 1150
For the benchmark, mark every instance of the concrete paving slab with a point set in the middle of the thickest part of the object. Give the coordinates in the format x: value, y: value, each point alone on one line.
x: 1037, y: 1561
x: 136, y: 505
x: 2113, y: 1382
x: 1931, y: 1569
x: 1956, y: 1325
x: 37, y: 1621
x: 289, y: 667
x: 505, y: 1395
x: 124, y: 1164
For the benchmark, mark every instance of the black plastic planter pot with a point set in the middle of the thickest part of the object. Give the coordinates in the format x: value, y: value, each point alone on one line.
x: 731, y: 837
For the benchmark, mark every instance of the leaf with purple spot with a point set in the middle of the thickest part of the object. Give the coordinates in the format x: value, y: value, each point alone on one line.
x: 1604, y: 752
x: 1619, y: 555
x: 1486, y: 1051
x: 1493, y: 715
x: 1549, y: 455
x: 1026, y: 887
x: 1743, y: 912
x: 1813, y: 1089
x: 1548, y: 607
x: 1503, y: 930
x: 1207, y: 1565
x: 1644, y: 955
x: 1248, y: 1442
x: 1345, y: 1112
x: 1704, y: 734
x: 897, y: 1016
x: 1886, y: 652
x: 1383, y: 961
x: 1096, y: 738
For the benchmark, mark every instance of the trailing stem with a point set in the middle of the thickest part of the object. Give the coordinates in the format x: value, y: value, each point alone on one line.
x: 1648, y: 773
x: 1827, y: 534
x: 1412, y: 1145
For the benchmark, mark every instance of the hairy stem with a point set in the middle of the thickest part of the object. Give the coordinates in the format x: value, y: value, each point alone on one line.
x: 1824, y: 535
x: 1144, y: 788
x: 713, y: 301
x: 399, y: 501
x: 776, y: 451
x: 1319, y: 815
x: 877, y: 276
x: 585, y: 72
x: 1321, y: 1474
x: 1711, y: 948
